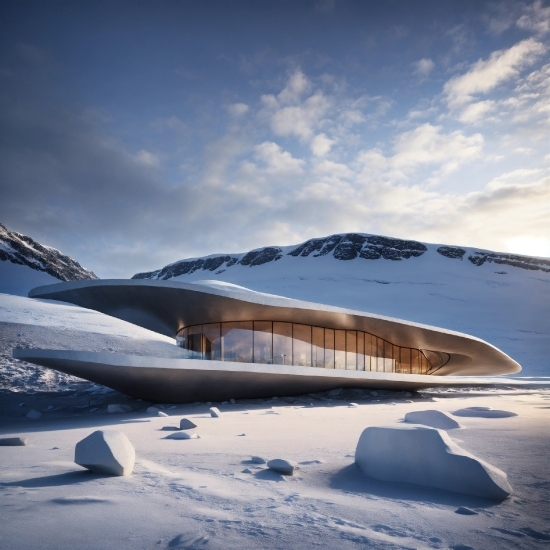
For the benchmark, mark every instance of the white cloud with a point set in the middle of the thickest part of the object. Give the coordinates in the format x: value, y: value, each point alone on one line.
x: 238, y: 109
x: 485, y: 75
x: 535, y: 19
x: 300, y: 120
x: 425, y: 146
x: 145, y: 158
x: 423, y: 67
x: 276, y: 160
x: 475, y: 112
x: 297, y: 85
x: 321, y: 145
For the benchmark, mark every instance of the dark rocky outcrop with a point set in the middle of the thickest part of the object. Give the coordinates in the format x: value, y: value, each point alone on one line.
x: 452, y: 252
x: 186, y: 267
x: 263, y: 256
x: 22, y: 250
x: 353, y: 245
x: 524, y: 262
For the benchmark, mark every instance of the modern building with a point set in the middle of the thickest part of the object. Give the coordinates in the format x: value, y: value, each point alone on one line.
x: 237, y: 343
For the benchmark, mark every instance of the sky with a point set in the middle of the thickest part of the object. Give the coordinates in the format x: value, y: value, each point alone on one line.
x: 135, y: 134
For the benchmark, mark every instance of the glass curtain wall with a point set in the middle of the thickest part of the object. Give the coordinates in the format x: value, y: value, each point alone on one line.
x: 280, y: 343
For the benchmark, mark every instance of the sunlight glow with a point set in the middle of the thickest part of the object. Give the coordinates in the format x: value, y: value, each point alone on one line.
x: 529, y: 246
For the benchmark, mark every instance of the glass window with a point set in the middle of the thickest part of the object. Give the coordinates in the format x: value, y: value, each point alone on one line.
x: 361, y: 351
x: 301, y: 352
x: 340, y: 349
x: 282, y: 343
x: 263, y: 342
x: 212, y: 344
x: 351, y: 350
x: 416, y: 366
x: 237, y: 341
x: 194, y: 339
x: 388, y: 357
x: 329, y: 348
x: 404, y: 361
x: 318, y: 347
x: 370, y: 352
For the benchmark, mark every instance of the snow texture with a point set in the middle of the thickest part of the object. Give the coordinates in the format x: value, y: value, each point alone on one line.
x: 426, y: 456
x: 483, y: 412
x: 116, y: 408
x: 182, y: 435
x: 432, y: 418
x: 106, y: 452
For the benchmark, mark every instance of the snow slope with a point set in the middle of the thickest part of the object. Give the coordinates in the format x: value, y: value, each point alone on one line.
x: 25, y: 264
x: 501, y: 298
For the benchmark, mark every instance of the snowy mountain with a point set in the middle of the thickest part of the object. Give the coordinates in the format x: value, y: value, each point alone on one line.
x: 502, y: 298
x: 25, y: 264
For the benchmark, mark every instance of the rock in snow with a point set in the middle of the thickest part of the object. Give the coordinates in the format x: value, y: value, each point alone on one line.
x: 13, y: 441
x: 160, y: 413
x: 182, y: 435
x: 483, y: 412
x: 115, y: 408
x: 426, y: 456
x: 432, y: 418
x: 34, y: 415
x: 152, y: 410
x: 258, y: 460
x: 186, y: 424
x: 215, y: 412
x: 282, y: 466
x: 106, y: 452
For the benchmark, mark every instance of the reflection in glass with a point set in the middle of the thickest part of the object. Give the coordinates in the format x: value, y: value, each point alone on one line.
x: 237, y: 341
x: 282, y: 343
x: 340, y: 349
x: 301, y: 352
x: 263, y: 342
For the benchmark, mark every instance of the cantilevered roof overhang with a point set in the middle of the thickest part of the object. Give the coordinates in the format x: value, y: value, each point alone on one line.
x: 167, y: 306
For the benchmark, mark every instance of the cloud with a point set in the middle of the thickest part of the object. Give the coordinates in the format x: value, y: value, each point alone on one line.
x: 423, y: 67
x: 475, y: 112
x: 425, y: 146
x: 297, y: 85
x: 536, y: 19
x: 238, y: 109
x: 145, y: 158
x: 276, y: 160
x: 321, y: 145
x: 486, y: 75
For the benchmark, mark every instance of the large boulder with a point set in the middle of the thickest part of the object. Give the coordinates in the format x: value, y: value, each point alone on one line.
x: 427, y: 456
x: 432, y: 418
x: 106, y: 452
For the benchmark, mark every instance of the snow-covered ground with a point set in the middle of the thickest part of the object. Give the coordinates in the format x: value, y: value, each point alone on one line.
x: 206, y: 493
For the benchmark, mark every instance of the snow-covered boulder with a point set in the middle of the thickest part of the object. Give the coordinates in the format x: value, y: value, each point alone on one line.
x: 215, y: 412
x: 34, y: 415
x: 484, y: 412
x: 282, y: 466
x: 258, y: 460
x: 106, y: 452
x: 432, y: 418
x: 115, y: 408
x: 13, y: 441
x: 162, y: 414
x: 426, y: 456
x: 186, y: 424
x: 182, y: 435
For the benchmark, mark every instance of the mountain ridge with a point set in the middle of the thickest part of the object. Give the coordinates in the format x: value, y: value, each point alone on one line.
x: 22, y: 250
x: 344, y: 247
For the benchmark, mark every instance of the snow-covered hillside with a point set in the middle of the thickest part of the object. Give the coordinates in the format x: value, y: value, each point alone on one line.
x: 502, y: 298
x: 25, y: 264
